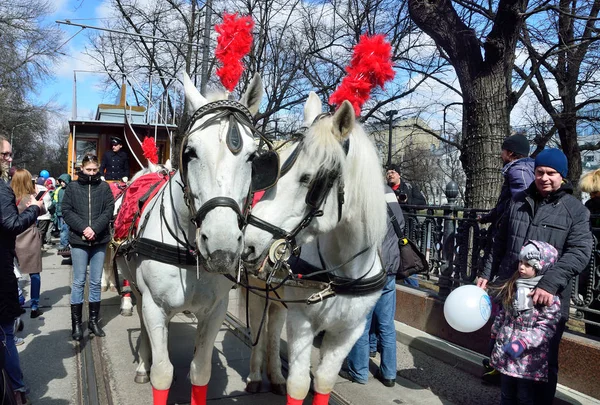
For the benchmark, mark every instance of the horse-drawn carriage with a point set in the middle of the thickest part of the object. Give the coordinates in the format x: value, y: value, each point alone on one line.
x: 196, y: 232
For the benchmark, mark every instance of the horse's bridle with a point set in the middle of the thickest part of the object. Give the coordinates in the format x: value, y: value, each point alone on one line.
x: 236, y: 113
x: 318, y: 191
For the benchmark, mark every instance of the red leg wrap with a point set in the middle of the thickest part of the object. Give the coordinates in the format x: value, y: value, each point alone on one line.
x: 126, y: 284
x: 293, y: 401
x: 199, y: 394
x: 160, y: 396
x: 320, y: 399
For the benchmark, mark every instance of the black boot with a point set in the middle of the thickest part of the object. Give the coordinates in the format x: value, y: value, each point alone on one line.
x: 76, y: 331
x: 93, y: 322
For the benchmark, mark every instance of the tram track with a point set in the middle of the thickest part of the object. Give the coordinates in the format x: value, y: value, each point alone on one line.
x: 93, y: 383
x: 93, y: 386
x: 238, y: 328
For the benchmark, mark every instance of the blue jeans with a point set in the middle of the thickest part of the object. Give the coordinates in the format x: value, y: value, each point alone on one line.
x: 36, y: 283
x: 383, y: 316
x: 81, y: 256
x: 64, y: 232
x: 11, y: 356
x: 412, y: 281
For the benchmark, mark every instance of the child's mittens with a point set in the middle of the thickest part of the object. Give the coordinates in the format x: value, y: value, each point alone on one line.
x: 515, y: 348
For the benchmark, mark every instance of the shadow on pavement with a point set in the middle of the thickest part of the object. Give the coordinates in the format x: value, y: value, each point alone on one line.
x: 48, y: 352
x: 444, y: 380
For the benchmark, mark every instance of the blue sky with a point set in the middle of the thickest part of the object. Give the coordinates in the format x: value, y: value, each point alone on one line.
x: 59, y: 90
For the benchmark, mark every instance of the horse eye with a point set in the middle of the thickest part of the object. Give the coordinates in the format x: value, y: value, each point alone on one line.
x: 190, y: 154
x: 305, y: 178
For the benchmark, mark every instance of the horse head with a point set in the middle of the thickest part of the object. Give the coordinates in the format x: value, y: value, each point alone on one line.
x: 216, y: 167
x: 328, y: 178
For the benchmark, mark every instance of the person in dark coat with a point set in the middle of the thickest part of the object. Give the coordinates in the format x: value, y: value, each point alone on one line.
x: 115, y: 162
x: 546, y: 212
x: 518, y: 175
x: 406, y: 193
x: 87, y: 208
x: 382, y: 315
x: 11, y: 224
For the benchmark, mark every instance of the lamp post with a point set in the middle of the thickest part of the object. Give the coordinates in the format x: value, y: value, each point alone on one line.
x: 390, y: 114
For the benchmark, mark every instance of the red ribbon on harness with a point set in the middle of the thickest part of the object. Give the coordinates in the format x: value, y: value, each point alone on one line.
x: 137, y: 195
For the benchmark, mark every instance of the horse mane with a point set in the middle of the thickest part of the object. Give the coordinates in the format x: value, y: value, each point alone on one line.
x: 363, y: 182
x: 364, y: 186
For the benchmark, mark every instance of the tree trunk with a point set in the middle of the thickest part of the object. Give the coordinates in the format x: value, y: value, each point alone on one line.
x: 485, y: 125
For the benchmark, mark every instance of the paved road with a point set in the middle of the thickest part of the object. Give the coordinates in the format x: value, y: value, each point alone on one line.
x: 51, y: 366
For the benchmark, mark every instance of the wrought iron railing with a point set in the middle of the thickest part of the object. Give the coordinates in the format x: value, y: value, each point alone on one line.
x: 455, y: 243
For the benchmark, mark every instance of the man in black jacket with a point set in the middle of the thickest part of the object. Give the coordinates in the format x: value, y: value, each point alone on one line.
x: 11, y: 224
x: 406, y: 193
x: 547, y: 212
x: 115, y: 163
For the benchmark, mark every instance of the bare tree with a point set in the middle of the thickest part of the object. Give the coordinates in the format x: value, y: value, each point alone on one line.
x: 562, y: 69
x: 479, y: 40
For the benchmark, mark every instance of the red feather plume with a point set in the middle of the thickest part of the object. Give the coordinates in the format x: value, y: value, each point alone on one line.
x: 371, y: 66
x: 233, y: 43
x: 150, y: 149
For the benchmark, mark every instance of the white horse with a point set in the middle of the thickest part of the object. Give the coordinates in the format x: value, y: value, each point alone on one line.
x: 345, y: 238
x: 218, y: 154
x: 108, y: 272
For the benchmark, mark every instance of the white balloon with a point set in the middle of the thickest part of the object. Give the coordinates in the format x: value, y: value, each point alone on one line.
x: 467, y: 308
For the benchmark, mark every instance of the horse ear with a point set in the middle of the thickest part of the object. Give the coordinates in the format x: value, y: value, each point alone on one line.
x: 312, y: 108
x: 253, y: 95
x: 343, y: 120
x: 168, y: 165
x: 152, y: 167
x: 193, y: 98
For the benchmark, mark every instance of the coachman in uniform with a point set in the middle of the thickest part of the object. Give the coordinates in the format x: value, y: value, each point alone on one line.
x: 115, y: 162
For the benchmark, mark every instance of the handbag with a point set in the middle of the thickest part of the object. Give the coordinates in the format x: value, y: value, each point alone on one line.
x: 412, y: 260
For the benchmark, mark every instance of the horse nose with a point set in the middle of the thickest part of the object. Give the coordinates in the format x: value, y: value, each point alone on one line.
x: 221, y: 261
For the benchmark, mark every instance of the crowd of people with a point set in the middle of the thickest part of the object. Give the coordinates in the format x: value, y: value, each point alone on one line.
x: 32, y: 209
x: 539, y: 239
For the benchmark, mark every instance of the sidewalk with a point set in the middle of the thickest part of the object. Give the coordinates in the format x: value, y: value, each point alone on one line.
x: 430, y: 371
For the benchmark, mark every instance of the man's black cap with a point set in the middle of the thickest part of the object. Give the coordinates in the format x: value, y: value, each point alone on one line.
x: 116, y: 141
x: 394, y: 167
x: 518, y: 144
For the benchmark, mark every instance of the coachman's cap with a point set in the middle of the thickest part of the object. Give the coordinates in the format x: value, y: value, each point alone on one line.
x: 116, y: 141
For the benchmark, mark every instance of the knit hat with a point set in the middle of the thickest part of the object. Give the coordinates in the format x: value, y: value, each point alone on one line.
x: 517, y: 143
x: 540, y: 255
x: 394, y: 167
x: 40, y: 181
x: 553, y: 158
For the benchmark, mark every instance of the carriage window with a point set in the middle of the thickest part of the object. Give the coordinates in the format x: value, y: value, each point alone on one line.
x: 83, y: 147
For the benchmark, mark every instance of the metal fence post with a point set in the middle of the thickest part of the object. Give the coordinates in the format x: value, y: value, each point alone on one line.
x: 447, y: 268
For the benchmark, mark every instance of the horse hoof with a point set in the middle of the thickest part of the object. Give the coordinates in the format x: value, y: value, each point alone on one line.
x: 113, y: 288
x: 279, y: 389
x: 127, y: 312
x: 141, y: 378
x: 104, y: 288
x: 253, y: 387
